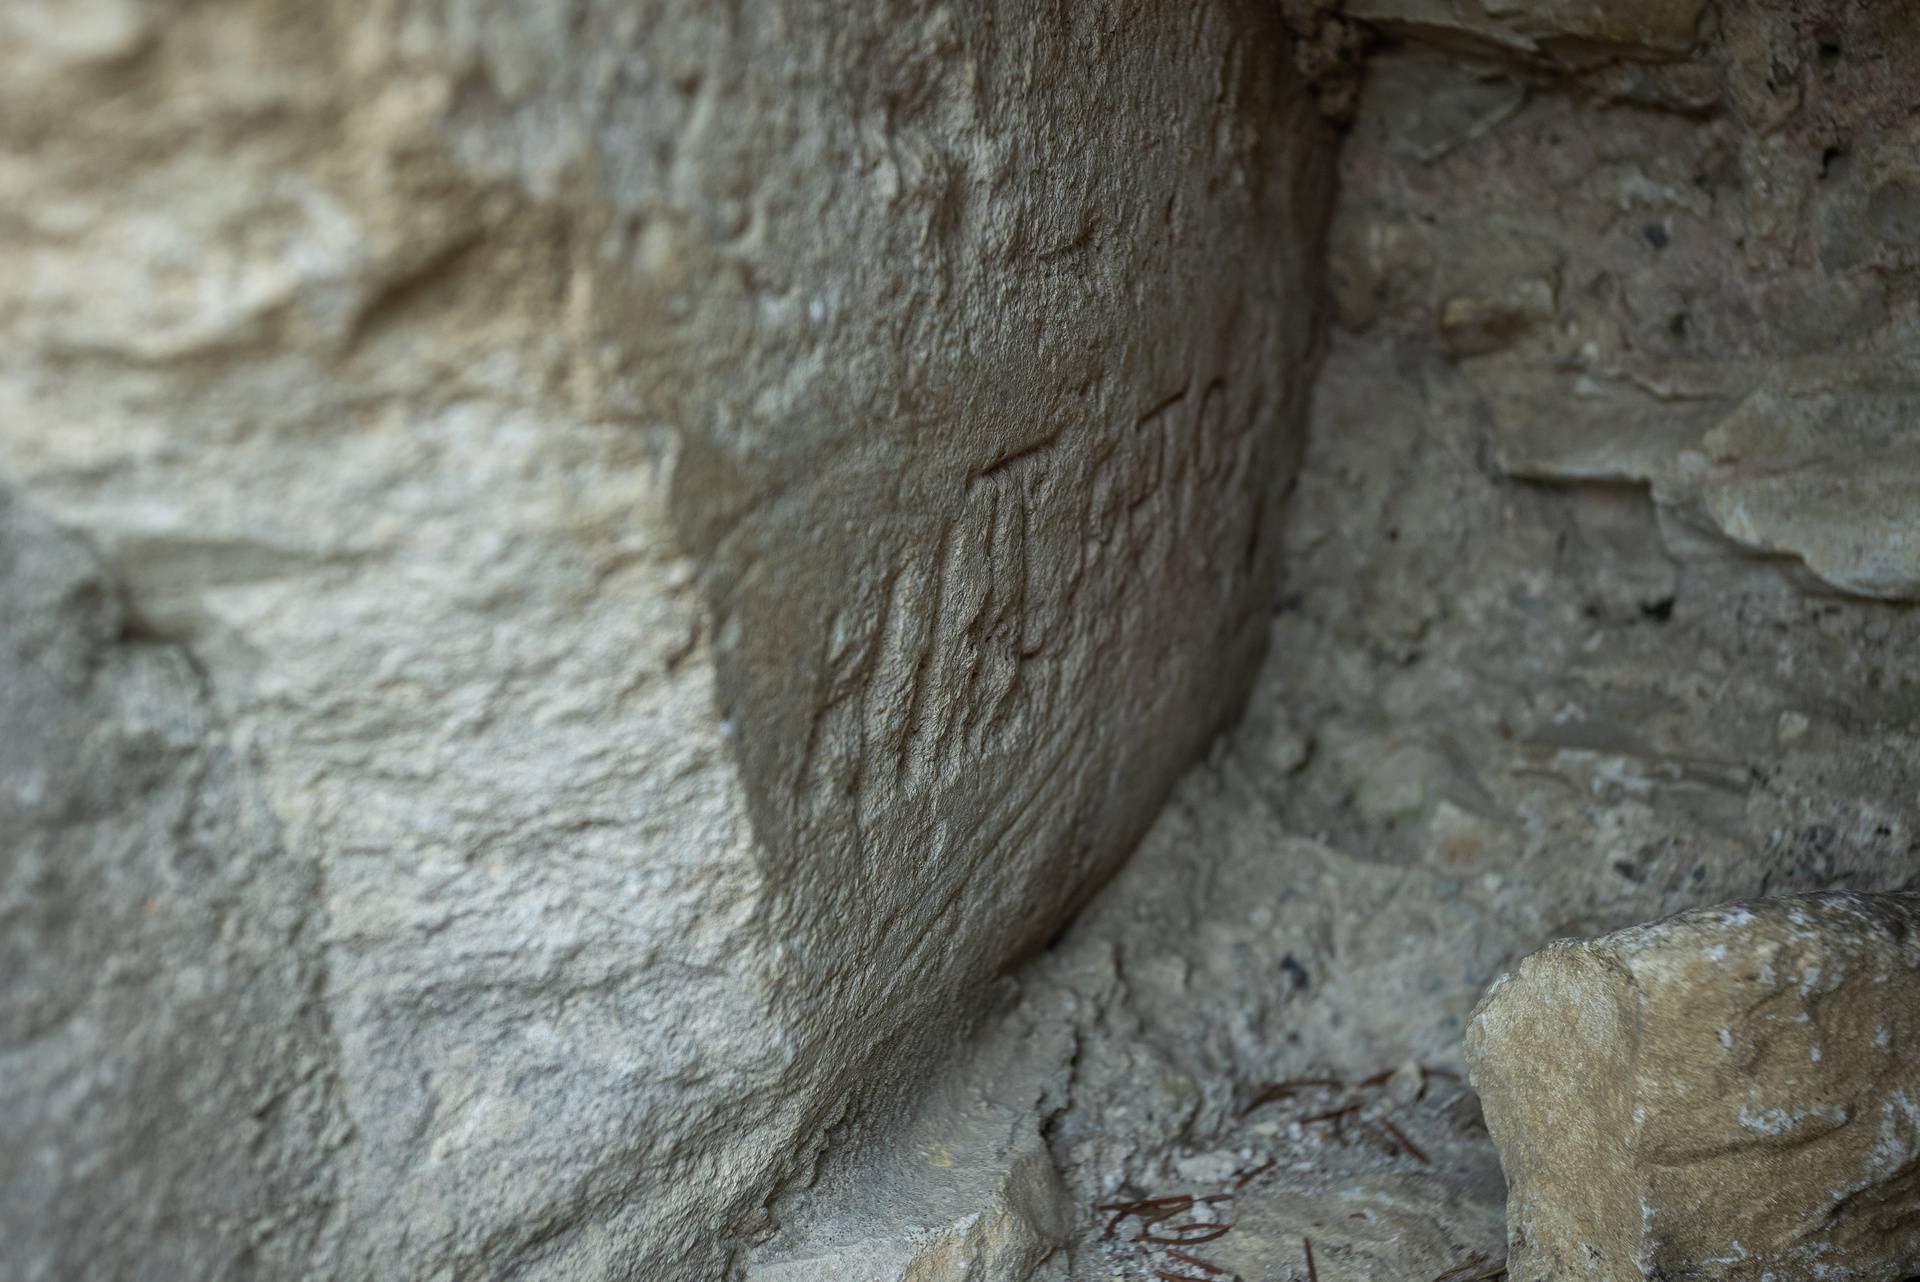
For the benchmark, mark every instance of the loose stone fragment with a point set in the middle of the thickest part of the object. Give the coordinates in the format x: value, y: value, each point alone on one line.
x: 1732, y: 1093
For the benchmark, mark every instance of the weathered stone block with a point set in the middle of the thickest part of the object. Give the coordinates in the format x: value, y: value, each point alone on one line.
x: 1732, y: 1093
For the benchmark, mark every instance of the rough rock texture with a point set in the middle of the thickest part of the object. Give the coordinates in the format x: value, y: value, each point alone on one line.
x: 959, y: 1187
x: 167, y: 1100
x: 1702, y: 284
x: 1503, y: 707
x: 1560, y: 30
x: 482, y: 395
x: 1730, y: 1093
x: 1514, y: 700
x: 1363, y: 1223
x: 707, y: 531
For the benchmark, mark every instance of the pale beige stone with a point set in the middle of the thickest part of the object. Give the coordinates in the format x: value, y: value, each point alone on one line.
x: 1732, y: 1093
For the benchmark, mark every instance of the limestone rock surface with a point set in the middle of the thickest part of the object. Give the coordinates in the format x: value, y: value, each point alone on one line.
x: 961, y: 1187
x: 1575, y: 29
x: 1691, y: 274
x: 1503, y: 712
x: 1732, y: 1093
x: 709, y: 530
x: 1363, y: 1223
x: 163, y: 1053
